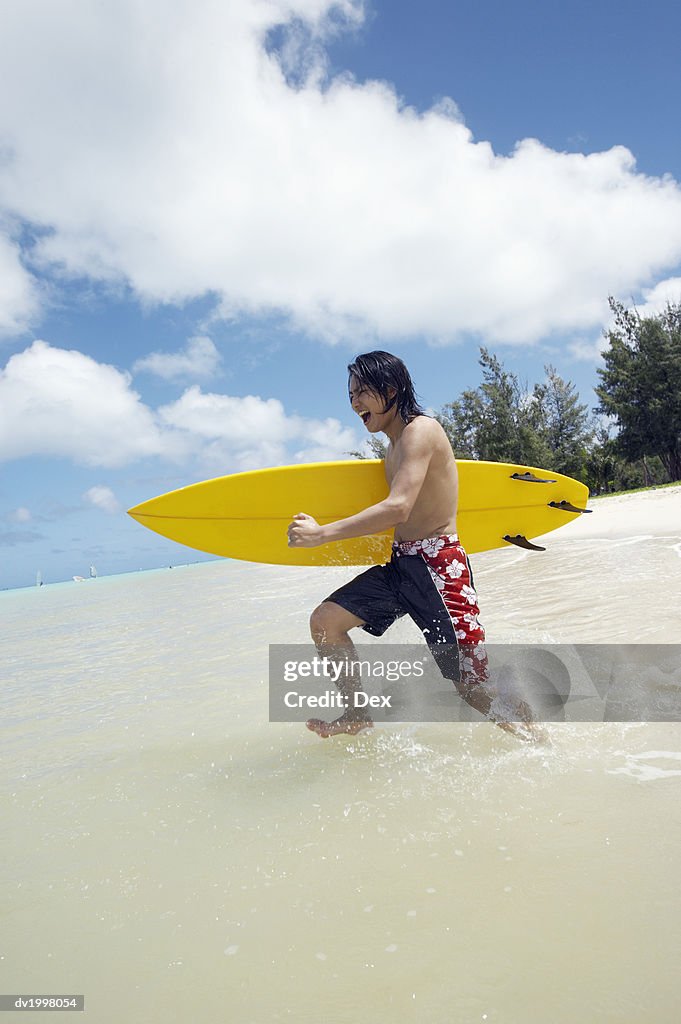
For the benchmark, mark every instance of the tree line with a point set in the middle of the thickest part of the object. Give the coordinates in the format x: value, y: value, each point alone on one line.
x: 630, y: 438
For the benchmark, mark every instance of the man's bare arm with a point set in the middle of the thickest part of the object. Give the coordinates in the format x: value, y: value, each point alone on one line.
x: 416, y: 450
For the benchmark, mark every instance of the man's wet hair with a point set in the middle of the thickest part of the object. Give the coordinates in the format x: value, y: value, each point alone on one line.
x: 380, y: 371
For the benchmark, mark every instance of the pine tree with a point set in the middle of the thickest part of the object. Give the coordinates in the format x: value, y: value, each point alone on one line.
x: 562, y: 422
x: 641, y: 384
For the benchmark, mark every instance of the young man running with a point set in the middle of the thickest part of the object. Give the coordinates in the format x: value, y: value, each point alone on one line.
x: 429, y: 575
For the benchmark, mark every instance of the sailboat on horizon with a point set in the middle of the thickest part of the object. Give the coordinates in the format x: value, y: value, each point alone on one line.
x: 84, y: 579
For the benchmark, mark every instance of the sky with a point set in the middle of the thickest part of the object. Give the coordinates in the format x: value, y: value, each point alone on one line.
x: 207, y: 209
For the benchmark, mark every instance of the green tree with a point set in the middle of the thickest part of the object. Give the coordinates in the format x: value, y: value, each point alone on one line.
x: 601, y: 462
x: 641, y: 385
x: 562, y: 422
x: 490, y: 423
x: 502, y: 421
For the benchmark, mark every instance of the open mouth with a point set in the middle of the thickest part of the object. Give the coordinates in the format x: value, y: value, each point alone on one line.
x: 366, y: 416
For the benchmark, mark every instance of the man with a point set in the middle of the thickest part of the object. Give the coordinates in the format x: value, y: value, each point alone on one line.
x: 429, y: 576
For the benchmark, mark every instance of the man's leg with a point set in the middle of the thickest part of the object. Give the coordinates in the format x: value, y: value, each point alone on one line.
x: 437, y: 585
x: 329, y: 626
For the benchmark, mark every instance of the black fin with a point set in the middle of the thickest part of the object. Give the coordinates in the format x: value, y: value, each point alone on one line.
x: 530, y: 478
x: 565, y: 506
x: 522, y: 542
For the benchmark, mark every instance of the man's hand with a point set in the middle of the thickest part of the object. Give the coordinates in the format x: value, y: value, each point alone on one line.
x: 305, y: 532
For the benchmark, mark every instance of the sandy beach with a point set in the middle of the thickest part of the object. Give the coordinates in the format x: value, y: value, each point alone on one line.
x: 655, y: 512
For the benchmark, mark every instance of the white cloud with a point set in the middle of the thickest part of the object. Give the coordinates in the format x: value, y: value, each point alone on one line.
x: 63, y: 403
x: 252, y: 431
x: 102, y: 498
x: 234, y: 419
x: 587, y: 350
x: 655, y: 300
x: 199, y: 359
x: 18, y: 290
x: 162, y: 145
x: 20, y: 515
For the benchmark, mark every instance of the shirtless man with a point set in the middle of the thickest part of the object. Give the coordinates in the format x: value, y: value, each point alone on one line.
x: 429, y: 575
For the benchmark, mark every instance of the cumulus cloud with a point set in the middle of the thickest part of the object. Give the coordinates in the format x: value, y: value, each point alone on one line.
x: 253, y: 431
x: 587, y: 350
x: 57, y: 402
x: 656, y: 300
x: 199, y: 359
x: 19, y: 300
x: 63, y: 403
x: 102, y: 498
x: 161, y: 143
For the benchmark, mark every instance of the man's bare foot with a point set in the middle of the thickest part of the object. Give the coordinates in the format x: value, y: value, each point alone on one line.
x: 346, y: 723
x: 529, y: 732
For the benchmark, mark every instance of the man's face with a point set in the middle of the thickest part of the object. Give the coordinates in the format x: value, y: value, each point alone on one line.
x: 369, y: 406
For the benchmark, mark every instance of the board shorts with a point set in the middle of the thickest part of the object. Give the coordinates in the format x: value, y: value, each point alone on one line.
x: 431, y: 581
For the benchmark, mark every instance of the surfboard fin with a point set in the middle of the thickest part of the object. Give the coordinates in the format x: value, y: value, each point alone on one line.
x: 565, y: 506
x: 523, y: 542
x: 530, y: 478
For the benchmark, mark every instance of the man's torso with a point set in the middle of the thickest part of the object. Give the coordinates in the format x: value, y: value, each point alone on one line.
x: 434, y: 512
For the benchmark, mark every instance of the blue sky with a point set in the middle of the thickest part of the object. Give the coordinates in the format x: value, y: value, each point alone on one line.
x: 206, y: 210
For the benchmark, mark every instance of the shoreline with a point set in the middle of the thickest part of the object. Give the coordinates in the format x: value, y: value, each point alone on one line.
x: 652, y: 511
x: 636, y: 490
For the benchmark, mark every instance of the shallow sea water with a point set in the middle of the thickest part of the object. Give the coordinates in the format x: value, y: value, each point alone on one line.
x: 174, y: 856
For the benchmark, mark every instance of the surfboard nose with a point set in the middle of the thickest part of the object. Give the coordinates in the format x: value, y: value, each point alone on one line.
x: 150, y: 507
x: 137, y: 510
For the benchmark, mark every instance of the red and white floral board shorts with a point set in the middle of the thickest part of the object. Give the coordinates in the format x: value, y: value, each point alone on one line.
x: 431, y: 581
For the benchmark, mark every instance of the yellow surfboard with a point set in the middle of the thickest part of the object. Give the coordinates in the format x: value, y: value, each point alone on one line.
x: 245, y: 515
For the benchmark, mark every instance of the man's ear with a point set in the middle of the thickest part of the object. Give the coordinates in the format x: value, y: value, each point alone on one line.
x: 392, y: 394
